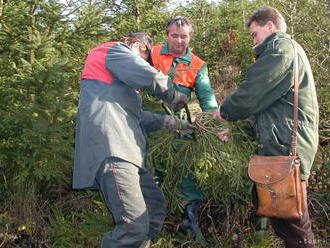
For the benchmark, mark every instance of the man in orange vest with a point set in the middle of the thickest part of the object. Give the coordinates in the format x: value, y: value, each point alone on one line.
x: 189, y: 74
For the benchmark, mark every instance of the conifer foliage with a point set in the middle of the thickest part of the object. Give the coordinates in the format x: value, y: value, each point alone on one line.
x: 43, y: 44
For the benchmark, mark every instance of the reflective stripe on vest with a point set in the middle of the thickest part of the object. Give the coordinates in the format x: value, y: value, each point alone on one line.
x: 95, y: 64
x: 184, y: 74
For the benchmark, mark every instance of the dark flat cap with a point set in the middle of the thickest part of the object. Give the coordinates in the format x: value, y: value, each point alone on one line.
x: 145, y: 39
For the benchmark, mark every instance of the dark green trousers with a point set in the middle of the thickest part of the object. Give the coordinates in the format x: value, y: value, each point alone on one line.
x: 294, y: 233
x: 190, y: 190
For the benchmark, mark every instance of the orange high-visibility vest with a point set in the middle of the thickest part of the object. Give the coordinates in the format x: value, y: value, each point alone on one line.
x: 184, y: 74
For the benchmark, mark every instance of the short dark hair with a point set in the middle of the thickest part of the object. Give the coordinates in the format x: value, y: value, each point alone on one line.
x: 266, y: 14
x: 179, y: 21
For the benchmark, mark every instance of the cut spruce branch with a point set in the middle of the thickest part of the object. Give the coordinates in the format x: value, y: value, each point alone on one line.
x: 219, y: 168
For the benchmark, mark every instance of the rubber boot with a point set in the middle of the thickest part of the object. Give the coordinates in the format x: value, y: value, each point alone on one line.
x: 190, y: 221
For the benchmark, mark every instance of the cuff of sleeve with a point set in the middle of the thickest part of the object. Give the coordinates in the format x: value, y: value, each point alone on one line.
x: 209, y: 110
x: 168, y: 121
x: 223, y: 114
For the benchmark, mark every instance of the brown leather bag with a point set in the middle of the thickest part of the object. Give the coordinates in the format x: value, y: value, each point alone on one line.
x: 277, y: 178
x: 278, y: 184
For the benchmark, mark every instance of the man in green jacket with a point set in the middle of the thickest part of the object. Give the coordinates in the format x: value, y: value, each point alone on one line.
x: 267, y: 94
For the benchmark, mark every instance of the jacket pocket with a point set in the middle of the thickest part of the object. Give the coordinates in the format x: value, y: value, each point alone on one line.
x: 275, y: 140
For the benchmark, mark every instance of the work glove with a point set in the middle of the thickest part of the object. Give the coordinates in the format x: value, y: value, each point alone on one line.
x: 182, y: 128
x: 179, y: 101
x: 175, y: 124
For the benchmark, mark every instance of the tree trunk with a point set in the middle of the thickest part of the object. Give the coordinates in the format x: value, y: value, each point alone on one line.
x: 137, y: 12
x: 32, y: 29
x: 293, y: 15
x: 1, y: 10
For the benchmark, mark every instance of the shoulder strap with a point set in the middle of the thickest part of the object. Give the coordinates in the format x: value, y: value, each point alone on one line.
x: 295, y: 106
x: 295, y: 100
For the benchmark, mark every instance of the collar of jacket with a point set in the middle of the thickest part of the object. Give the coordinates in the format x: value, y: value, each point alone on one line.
x: 259, y: 49
x: 185, y: 59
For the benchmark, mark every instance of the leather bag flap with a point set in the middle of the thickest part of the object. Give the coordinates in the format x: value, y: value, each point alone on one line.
x: 270, y: 169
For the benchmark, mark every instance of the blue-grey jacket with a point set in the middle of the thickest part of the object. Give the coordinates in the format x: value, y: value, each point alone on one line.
x: 110, y: 119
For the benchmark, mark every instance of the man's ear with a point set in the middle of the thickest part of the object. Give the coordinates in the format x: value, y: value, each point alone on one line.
x: 271, y: 26
x: 136, y: 46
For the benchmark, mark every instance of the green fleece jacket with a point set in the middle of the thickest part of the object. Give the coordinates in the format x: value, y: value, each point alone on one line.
x: 267, y: 94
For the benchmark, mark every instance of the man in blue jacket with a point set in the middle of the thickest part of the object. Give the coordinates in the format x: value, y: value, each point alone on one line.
x: 111, y: 149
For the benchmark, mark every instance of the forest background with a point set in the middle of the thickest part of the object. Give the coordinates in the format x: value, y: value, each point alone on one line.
x: 43, y: 45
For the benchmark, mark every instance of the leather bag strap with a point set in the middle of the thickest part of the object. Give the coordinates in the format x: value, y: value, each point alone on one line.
x: 295, y: 106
